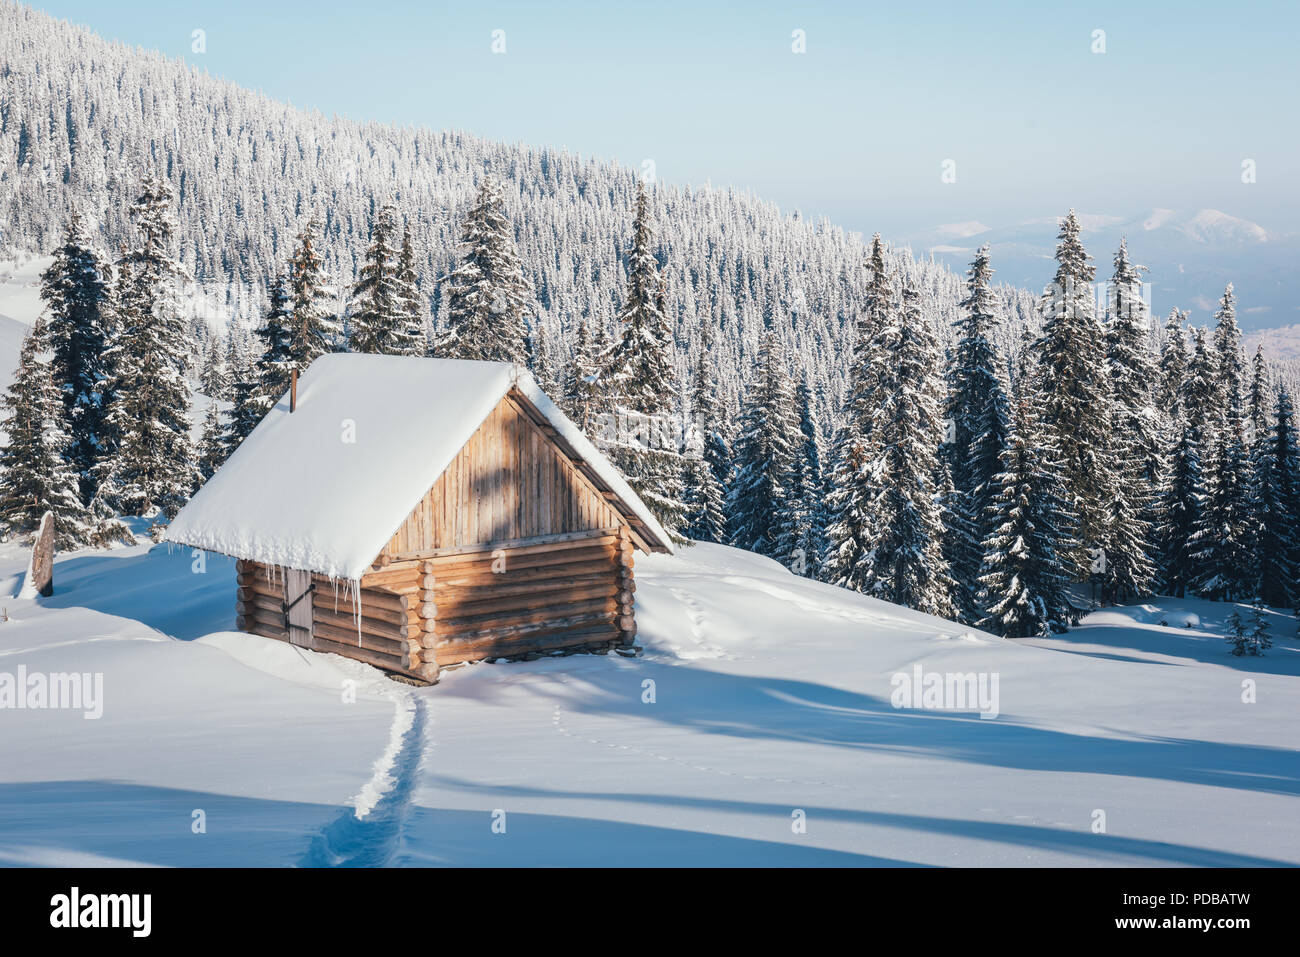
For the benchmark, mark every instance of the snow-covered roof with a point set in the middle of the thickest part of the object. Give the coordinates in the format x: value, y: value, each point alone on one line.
x: 326, y: 487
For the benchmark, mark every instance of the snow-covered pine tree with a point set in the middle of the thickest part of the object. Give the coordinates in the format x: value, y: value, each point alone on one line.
x: 212, y: 448
x: 1074, y: 408
x: 1173, y: 365
x: 762, y: 496
x: 580, y: 392
x: 242, y: 416
x: 1225, y: 538
x: 34, y: 475
x: 1258, y: 401
x: 708, y: 466
x: 1237, y: 638
x: 1258, y: 641
x: 1024, y: 579
x: 151, y: 467
x: 412, y: 338
x: 1136, y: 457
x: 378, y: 319
x: 214, y: 376
x: 1229, y: 376
x: 905, y: 563
x: 1278, y: 509
x: 260, y: 383
x: 637, y: 384
x: 314, y: 327
x: 1129, y: 571
x: 1222, y: 541
x: 1179, y: 515
x: 1197, y: 399
x: 976, y: 411
x: 75, y: 290
x: 488, y: 300
x: 959, y: 543
x: 848, y: 539
x: 808, y: 515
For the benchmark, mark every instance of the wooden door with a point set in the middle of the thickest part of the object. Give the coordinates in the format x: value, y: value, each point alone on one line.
x: 297, y: 599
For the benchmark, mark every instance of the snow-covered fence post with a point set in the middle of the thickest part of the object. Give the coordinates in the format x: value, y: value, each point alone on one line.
x: 40, y: 571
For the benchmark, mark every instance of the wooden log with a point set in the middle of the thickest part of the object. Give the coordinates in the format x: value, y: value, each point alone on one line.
x: 259, y: 626
x: 394, y: 620
x: 532, y: 629
x: 392, y: 644
x: 427, y: 670
x: 450, y: 627
x: 372, y: 602
x: 389, y: 577
x: 264, y: 605
x: 518, y: 544
x: 536, y: 559
x: 379, y: 659
x: 264, y: 587
x: 525, y: 559
x: 391, y: 590
x: 596, y: 635
x: 505, y: 589
x: 272, y: 615
x: 471, y: 578
x: 396, y: 567
x: 477, y: 605
x: 370, y: 626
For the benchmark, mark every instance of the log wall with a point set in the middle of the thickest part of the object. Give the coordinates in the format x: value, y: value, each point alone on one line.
x: 422, y: 611
x: 572, y: 591
x: 386, y: 632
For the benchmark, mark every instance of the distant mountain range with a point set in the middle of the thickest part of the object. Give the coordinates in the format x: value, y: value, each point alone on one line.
x: 1190, y: 257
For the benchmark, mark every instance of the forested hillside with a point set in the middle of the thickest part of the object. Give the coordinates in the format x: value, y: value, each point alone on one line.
x: 81, y: 118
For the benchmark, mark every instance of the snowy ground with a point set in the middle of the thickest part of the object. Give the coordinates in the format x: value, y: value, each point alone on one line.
x: 771, y: 696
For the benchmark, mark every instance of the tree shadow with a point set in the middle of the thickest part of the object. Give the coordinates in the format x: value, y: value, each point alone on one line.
x: 162, y: 588
x: 108, y: 823
x: 785, y: 709
x: 1102, y: 848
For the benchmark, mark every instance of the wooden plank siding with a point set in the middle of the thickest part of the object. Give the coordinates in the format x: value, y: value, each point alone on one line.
x: 508, y: 482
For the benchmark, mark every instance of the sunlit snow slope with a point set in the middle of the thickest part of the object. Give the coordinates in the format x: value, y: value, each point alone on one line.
x: 756, y: 728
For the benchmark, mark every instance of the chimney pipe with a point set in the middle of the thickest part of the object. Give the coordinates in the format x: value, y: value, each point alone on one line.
x: 293, y: 390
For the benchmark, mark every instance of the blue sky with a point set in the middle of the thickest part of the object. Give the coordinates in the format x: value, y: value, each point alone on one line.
x: 856, y: 128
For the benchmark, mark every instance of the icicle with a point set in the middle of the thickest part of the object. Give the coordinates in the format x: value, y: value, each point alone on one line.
x: 354, y: 587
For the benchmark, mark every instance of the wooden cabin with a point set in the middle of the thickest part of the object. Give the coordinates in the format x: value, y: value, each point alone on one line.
x: 418, y: 513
